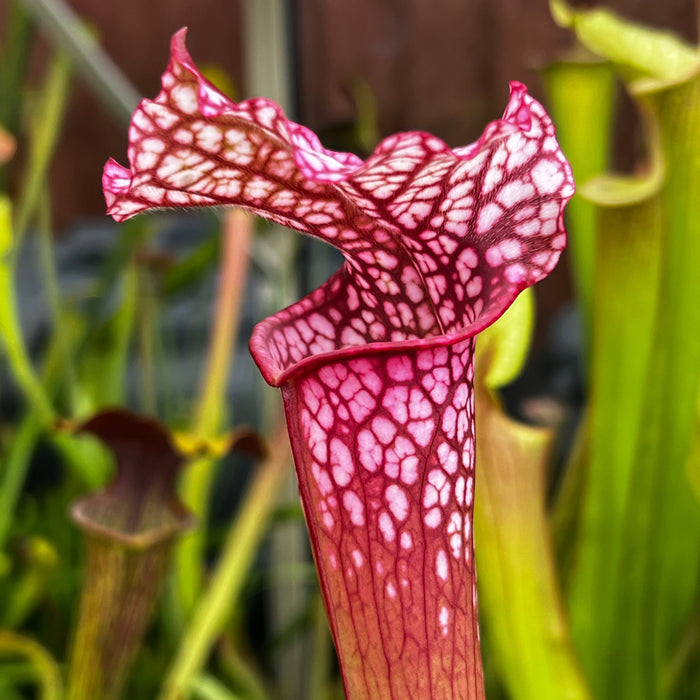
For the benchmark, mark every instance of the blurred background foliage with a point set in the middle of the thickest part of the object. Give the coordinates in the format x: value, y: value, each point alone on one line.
x: 588, y: 497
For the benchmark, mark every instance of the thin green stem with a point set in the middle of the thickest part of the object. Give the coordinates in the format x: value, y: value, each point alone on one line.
x: 208, y: 688
x: 68, y: 31
x: 218, y: 602
x: 13, y: 63
x: 53, y: 295
x: 46, y: 126
x: 10, y: 328
x: 146, y: 319
x: 241, y: 675
x: 30, y: 587
x: 320, y: 680
x: 238, y: 231
x: 207, y: 422
x: 14, y: 471
x: 44, y: 135
x: 46, y: 669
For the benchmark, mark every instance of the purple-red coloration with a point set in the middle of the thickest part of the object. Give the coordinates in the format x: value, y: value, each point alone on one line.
x: 375, y: 366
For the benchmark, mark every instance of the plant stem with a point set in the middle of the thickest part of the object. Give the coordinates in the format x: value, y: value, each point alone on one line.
x: 146, y: 320
x: 44, y: 665
x: 68, y: 31
x: 53, y: 294
x: 320, y: 681
x: 10, y: 328
x: 47, y: 121
x: 238, y: 231
x: 208, y: 688
x: 215, y: 608
x: 14, y: 471
x: 13, y: 63
x: 239, y: 671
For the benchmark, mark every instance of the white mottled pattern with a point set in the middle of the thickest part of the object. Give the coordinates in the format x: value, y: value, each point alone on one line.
x: 404, y: 218
x: 383, y: 507
x: 376, y: 364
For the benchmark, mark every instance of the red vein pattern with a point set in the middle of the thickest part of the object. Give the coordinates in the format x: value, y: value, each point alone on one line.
x: 375, y: 366
x: 386, y: 443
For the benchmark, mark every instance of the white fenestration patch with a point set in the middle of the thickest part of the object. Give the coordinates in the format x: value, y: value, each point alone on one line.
x: 358, y: 558
x: 433, y: 518
x: 342, y: 463
x: 354, y: 507
x: 164, y: 117
x: 369, y: 451
x: 444, y: 619
x: 258, y: 188
x: 441, y: 566
x: 386, y: 526
x: 547, y: 176
x: 490, y: 213
x: 185, y: 98
x: 516, y: 191
x: 397, y: 500
x: 409, y: 470
x: 384, y: 429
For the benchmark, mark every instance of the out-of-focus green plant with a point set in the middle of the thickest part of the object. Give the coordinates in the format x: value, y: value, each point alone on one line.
x: 604, y: 600
x: 633, y: 577
x: 85, y: 361
x: 129, y: 527
x: 520, y: 600
x: 583, y: 85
